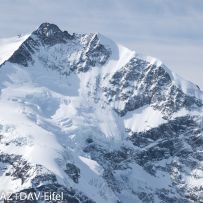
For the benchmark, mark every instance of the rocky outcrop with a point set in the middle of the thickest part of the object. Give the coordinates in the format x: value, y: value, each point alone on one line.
x: 140, y: 83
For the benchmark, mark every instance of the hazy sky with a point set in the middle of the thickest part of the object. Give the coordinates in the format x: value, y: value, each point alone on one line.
x: 169, y: 30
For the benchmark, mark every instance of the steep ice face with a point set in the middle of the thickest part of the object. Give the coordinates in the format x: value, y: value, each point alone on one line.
x: 86, y: 116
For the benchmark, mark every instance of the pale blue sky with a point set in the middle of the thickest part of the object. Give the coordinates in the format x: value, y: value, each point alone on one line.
x: 169, y: 30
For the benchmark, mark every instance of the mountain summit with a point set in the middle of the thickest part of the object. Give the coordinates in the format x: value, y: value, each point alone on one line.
x: 82, y: 115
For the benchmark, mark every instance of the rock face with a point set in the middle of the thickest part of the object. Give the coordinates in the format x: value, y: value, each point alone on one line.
x: 92, y: 119
x: 140, y: 83
x: 73, y: 172
x: 43, y: 43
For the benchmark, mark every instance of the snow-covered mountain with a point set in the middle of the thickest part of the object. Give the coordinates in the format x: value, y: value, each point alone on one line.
x: 86, y: 116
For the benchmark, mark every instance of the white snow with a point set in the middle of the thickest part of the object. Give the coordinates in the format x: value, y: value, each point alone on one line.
x: 187, y: 87
x: 143, y: 119
x: 9, y: 45
x: 48, y: 113
x: 93, y: 165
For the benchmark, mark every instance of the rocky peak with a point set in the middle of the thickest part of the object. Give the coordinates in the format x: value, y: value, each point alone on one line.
x: 48, y: 29
x: 48, y: 41
x: 46, y: 35
x: 50, y: 34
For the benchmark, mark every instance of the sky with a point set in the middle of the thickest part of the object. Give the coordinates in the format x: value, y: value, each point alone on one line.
x: 169, y: 30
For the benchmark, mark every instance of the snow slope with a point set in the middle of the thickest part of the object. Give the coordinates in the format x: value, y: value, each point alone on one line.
x: 9, y: 45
